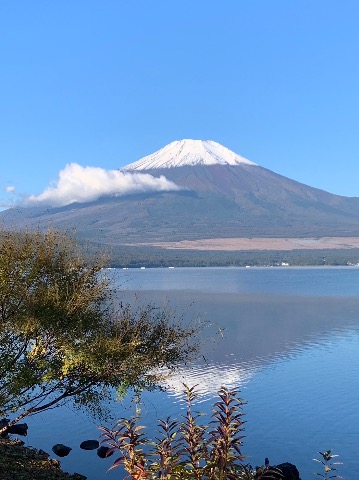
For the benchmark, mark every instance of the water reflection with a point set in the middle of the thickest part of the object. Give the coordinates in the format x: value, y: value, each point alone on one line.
x: 252, y: 329
x: 318, y: 281
x: 209, y: 378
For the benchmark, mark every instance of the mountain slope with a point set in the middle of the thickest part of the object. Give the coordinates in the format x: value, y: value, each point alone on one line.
x: 223, y: 195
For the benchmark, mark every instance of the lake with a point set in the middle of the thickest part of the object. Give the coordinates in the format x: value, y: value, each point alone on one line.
x: 287, y: 337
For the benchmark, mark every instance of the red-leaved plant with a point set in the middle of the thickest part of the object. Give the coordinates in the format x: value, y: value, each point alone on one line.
x: 187, y: 449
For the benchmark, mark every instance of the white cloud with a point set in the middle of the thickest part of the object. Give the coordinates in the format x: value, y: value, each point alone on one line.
x: 86, y: 184
x: 10, y: 189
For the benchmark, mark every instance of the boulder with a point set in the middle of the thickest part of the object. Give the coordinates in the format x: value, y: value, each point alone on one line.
x: 283, y: 471
x: 61, y: 450
x: 289, y: 471
x: 89, y: 445
x: 102, y: 452
x: 17, y: 429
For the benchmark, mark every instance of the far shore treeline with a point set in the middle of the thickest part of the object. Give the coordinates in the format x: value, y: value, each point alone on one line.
x: 126, y: 256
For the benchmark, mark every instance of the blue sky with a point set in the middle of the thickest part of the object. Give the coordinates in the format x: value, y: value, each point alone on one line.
x: 104, y: 82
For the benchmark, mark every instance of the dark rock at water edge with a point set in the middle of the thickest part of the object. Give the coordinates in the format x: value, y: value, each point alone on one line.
x: 102, y: 452
x: 287, y: 471
x: 89, y: 445
x: 61, y: 450
x: 18, y: 429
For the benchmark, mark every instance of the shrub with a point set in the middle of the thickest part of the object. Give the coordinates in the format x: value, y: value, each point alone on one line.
x: 329, y: 467
x: 187, y: 449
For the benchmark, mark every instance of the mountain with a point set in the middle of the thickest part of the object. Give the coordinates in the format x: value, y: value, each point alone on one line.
x: 222, y: 195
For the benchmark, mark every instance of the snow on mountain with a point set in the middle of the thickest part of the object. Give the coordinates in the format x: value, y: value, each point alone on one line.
x: 189, y: 152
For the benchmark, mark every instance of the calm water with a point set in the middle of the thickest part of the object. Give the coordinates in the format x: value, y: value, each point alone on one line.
x: 287, y: 337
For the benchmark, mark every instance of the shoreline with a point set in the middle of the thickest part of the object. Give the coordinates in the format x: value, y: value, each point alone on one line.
x: 25, y: 463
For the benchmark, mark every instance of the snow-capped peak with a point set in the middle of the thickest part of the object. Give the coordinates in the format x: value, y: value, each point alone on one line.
x: 189, y: 152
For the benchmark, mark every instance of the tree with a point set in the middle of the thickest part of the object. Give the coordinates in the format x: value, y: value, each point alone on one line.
x: 63, y: 338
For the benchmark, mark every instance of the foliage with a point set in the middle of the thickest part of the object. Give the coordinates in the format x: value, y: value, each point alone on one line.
x: 328, y: 465
x: 187, y: 449
x: 62, y: 335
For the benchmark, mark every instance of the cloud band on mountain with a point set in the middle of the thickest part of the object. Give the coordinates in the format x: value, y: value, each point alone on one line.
x: 85, y: 184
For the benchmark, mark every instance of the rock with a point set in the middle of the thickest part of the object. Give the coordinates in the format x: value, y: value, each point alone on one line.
x: 287, y: 471
x: 89, y: 445
x: 18, y: 429
x: 102, y: 452
x: 61, y: 450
